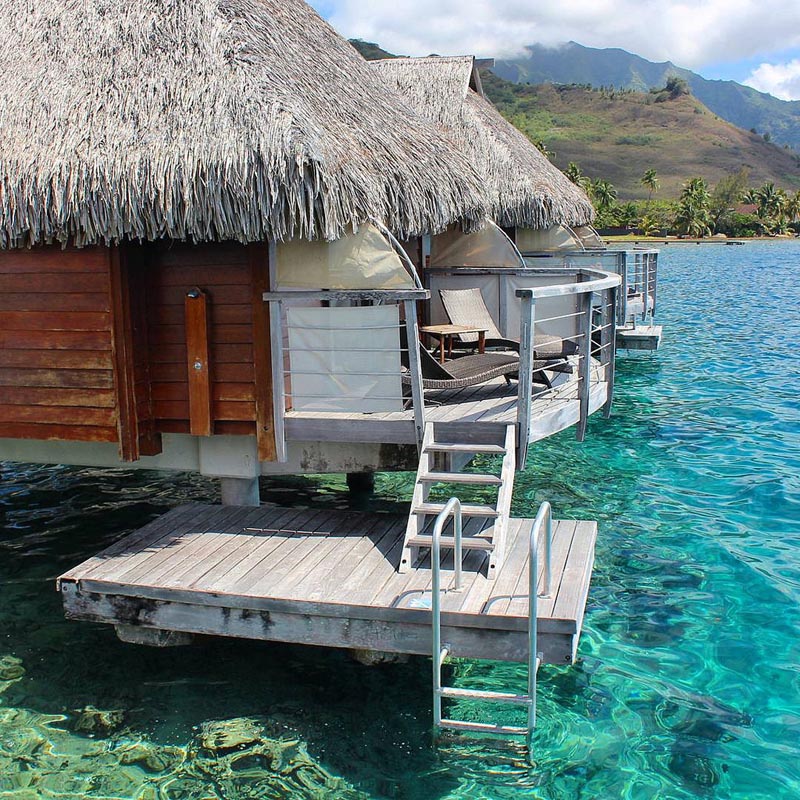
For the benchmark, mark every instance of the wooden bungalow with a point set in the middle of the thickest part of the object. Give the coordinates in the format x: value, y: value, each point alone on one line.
x: 199, y: 271
x: 546, y: 215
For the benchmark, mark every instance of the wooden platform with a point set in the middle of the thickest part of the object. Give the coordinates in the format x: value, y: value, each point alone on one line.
x: 641, y: 337
x: 490, y: 404
x: 326, y: 578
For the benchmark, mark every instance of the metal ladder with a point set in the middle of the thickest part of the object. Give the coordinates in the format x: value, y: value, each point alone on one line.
x: 487, y: 524
x: 440, y: 651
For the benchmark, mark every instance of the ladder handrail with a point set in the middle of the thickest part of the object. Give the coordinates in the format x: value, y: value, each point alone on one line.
x: 453, y: 506
x: 544, y: 515
x: 543, y: 520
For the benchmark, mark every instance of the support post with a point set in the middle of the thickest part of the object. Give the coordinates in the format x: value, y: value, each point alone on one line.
x: 415, y: 369
x: 646, y: 285
x: 361, y: 481
x: 258, y: 257
x: 584, y: 364
x: 240, y: 492
x: 527, y: 317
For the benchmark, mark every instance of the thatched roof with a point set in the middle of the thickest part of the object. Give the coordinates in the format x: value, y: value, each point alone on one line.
x: 205, y: 120
x: 526, y: 190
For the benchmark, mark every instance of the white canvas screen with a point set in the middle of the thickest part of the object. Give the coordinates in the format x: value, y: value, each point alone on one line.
x: 363, y: 260
x: 488, y: 247
x: 547, y: 240
x: 345, y: 358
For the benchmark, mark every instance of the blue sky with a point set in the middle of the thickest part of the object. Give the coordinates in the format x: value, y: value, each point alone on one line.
x: 751, y: 41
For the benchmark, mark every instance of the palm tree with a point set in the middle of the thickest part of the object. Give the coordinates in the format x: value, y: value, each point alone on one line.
x: 604, y: 194
x: 693, y: 217
x: 793, y: 207
x: 574, y: 173
x: 750, y: 197
x: 772, y: 204
x: 651, y: 182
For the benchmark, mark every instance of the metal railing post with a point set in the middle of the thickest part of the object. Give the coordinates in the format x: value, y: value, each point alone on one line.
x: 609, y: 338
x: 543, y: 516
x: 527, y: 318
x: 453, y: 506
x: 584, y: 364
x: 415, y: 370
x: 278, y: 385
x: 622, y: 307
x: 654, y: 273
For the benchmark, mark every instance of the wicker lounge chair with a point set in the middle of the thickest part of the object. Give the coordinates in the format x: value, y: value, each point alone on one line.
x: 468, y: 370
x: 467, y: 307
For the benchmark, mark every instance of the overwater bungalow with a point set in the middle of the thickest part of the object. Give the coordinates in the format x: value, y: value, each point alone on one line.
x: 546, y: 216
x: 199, y: 219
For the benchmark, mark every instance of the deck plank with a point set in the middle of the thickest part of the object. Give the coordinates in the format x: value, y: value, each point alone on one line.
x: 249, y: 541
x: 518, y: 604
x: 154, y: 549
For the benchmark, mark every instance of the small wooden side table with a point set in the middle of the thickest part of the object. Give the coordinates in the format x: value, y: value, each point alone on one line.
x: 445, y: 333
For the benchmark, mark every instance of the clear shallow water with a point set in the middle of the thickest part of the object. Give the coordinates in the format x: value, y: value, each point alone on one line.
x: 688, y: 683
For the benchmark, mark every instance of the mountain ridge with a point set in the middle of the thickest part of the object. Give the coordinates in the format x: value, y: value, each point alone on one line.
x: 573, y: 63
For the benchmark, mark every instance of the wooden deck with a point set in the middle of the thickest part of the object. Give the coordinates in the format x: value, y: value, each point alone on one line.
x: 639, y: 337
x: 326, y: 578
x: 490, y: 404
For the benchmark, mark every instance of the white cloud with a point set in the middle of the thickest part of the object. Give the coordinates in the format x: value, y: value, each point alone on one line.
x: 688, y: 32
x: 781, y: 80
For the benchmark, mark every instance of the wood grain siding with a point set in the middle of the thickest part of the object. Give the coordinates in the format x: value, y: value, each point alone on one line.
x: 227, y: 273
x: 56, y: 345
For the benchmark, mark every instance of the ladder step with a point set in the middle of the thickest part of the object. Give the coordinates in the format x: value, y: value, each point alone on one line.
x: 468, y: 542
x: 481, y: 727
x: 460, y: 477
x: 479, y: 694
x: 466, y: 510
x: 455, y: 447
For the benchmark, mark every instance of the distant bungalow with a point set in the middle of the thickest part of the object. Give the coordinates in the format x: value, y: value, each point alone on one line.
x: 201, y: 215
x: 546, y: 216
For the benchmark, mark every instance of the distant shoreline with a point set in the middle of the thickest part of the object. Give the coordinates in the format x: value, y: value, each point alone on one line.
x: 646, y: 240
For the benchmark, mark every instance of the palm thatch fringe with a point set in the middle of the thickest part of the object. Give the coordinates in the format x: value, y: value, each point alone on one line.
x: 525, y: 189
x: 208, y: 120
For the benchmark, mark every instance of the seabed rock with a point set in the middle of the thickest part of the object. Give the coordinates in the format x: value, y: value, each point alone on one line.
x: 96, y: 722
x: 371, y: 658
x: 231, y: 734
x: 11, y: 669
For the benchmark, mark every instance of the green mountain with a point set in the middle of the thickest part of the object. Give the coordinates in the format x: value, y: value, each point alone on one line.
x: 574, y: 63
x: 617, y: 135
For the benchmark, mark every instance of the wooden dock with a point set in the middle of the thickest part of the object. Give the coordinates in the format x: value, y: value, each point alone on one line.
x: 326, y: 578
x: 639, y: 337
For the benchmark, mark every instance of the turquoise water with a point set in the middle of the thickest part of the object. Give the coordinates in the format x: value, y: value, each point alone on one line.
x: 688, y: 683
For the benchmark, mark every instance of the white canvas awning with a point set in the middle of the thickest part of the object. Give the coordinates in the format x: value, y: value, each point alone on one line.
x: 488, y: 247
x: 589, y: 237
x: 547, y: 240
x: 362, y: 260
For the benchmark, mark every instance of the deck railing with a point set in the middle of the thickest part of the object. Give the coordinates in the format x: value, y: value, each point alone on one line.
x: 543, y: 308
x: 323, y: 360
x: 592, y: 318
x: 638, y: 268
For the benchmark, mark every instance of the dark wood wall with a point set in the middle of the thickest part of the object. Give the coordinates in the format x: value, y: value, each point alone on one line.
x: 232, y: 277
x: 56, y: 342
x: 93, y: 343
